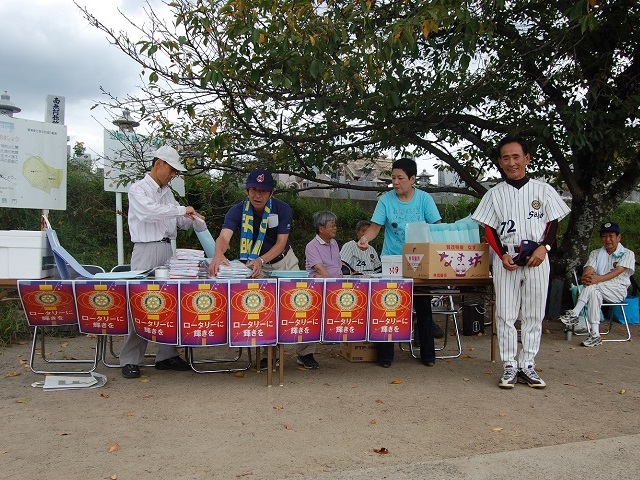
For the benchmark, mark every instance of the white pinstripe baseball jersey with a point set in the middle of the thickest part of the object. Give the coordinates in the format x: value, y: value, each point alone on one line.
x: 361, y: 261
x: 520, y: 213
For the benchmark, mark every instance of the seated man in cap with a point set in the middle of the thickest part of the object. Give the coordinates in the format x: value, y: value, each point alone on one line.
x: 264, y: 225
x: 154, y: 217
x: 606, y: 278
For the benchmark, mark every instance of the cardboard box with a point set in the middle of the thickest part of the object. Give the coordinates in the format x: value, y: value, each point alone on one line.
x: 445, y: 260
x: 391, y: 265
x: 359, y: 351
x: 25, y: 254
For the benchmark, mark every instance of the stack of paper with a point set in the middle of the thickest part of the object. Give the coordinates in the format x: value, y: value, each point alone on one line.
x: 187, y: 263
x: 235, y: 269
x: 72, y: 381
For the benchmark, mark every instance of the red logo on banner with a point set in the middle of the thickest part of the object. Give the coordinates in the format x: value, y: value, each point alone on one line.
x: 154, y: 310
x: 203, y: 312
x: 300, y: 310
x: 48, y: 303
x: 252, y: 313
x: 102, y: 307
x: 391, y: 310
x: 345, y: 317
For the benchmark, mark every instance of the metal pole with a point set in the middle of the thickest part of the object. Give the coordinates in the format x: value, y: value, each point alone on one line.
x: 119, y: 231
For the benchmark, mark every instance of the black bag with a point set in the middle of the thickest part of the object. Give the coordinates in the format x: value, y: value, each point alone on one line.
x: 472, y: 319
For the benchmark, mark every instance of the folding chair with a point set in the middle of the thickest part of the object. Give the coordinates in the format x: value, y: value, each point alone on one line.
x: 102, y: 311
x: 47, y: 304
x: 124, y: 267
x: 609, y: 308
x: 442, y: 305
x: 203, y: 312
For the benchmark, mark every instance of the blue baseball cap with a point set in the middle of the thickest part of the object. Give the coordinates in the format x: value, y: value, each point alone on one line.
x: 260, y: 178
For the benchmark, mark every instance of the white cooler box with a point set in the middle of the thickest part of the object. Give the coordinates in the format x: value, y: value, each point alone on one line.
x: 25, y: 255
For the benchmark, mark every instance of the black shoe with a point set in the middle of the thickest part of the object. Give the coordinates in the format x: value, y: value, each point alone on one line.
x: 437, y: 331
x: 308, y: 362
x: 428, y: 363
x: 263, y: 363
x: 131, y: 371
x: 385, y: 364
x: 173, y: 363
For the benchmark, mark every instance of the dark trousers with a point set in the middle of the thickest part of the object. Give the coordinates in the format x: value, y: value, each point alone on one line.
x: 422, y: 304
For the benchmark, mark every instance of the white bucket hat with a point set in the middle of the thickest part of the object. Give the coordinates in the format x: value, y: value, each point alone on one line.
x: 170, y: 155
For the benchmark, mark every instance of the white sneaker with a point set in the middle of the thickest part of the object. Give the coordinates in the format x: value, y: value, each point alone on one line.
x: 569, y: 318
x: 592, y: 340
x: 509, y: 377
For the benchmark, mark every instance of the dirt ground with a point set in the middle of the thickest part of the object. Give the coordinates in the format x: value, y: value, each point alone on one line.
x: 182, y: 425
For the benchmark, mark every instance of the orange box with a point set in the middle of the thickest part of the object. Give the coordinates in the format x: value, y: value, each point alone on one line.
x: 445, y: 260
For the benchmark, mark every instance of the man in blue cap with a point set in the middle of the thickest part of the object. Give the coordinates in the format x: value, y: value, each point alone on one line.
x: 606, y: 278
x: 264, y: 225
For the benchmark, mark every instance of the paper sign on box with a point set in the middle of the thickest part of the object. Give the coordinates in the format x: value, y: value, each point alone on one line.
x: 445, y: 260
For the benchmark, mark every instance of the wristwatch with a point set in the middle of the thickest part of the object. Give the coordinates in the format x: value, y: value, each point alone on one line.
x: 547, y: 247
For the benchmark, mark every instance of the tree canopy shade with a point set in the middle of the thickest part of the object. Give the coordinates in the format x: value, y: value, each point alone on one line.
x: 303, y: 86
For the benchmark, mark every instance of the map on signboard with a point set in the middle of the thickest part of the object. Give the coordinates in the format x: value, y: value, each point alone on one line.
x: 127, y: 157
x: 33, y: 164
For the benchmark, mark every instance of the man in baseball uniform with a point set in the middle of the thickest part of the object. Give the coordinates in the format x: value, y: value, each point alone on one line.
x: 521, y: 217
x: 606, y: 277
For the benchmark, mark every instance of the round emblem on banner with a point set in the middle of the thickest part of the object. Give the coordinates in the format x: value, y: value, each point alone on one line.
x: 253, y: 301
x: 153, y: 302
x: 203, y: 302
x: 48, y: 299
x: 346, y: 299
x: 536, y: 205
x: 100, y: 300
x: 390, y: 299
x: 300, y: 300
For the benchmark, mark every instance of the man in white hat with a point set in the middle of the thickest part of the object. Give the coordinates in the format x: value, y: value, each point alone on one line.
x: 154, y: 217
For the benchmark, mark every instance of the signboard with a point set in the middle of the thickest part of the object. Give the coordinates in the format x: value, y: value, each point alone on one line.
x: 345, y: 313
x: 154, y: 310
x: 204, y: 312
x: 48, y: 303
x: 390, y: 313
x: 127, y: 157
x: 252, y: 311
x: 300, y: 312
x: 33, y: 164
x: 54, y: 108
x: 102, y: 307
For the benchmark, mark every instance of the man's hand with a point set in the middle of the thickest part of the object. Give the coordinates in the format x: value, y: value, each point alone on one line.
x: 537, y: 257
x: 214, y: 266
x: 256, y: 266
x: 508, y: 263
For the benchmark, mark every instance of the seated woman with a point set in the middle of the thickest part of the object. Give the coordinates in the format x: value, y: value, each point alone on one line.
x: 322, y: 253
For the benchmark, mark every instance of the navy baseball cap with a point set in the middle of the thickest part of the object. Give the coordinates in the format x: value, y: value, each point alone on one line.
x: 260, y: 178
x: 527, y: 247
x: 610, y: 227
